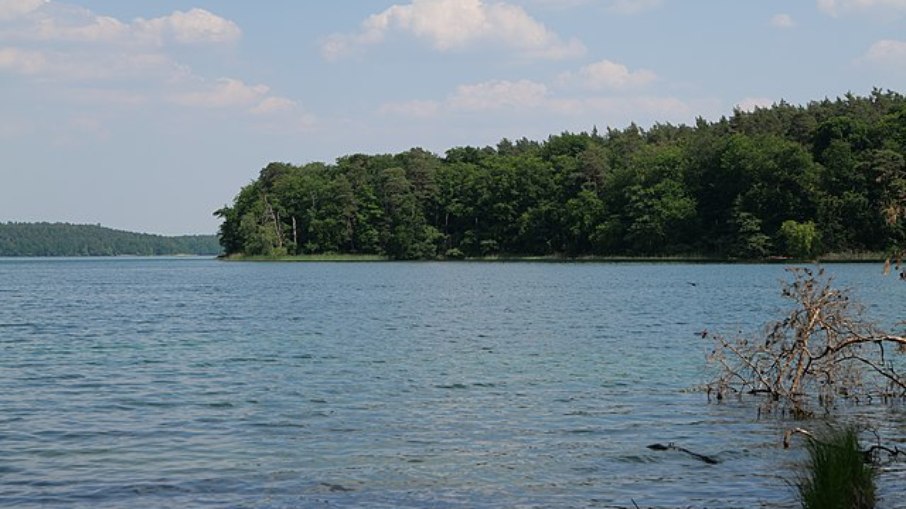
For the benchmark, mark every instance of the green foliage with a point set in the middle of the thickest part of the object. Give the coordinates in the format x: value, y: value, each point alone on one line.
x: 786, y: 180
x: 750, y: 242
x: 658, y: 217
x: 64, y: 239
x: 836, y: 475
x: 800, y: 239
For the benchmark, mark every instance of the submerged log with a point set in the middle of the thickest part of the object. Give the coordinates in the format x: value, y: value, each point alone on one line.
x: 671, y: 447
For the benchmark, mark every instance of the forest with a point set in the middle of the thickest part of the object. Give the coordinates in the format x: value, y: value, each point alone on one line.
x: 64, y: 239
x: 781, y: 181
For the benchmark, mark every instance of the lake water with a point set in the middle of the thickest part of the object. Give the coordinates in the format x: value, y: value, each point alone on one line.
x: 197, y: 383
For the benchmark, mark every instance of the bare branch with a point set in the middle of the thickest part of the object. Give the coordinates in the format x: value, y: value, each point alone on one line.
x: 805, y: 358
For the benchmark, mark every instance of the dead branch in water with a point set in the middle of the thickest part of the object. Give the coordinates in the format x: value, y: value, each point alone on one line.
x: 822, y: 350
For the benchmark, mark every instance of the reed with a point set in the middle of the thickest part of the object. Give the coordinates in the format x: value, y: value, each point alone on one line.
x: 836, y: 475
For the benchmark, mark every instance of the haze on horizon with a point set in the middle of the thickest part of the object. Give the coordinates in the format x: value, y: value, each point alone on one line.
x: 149, y: 115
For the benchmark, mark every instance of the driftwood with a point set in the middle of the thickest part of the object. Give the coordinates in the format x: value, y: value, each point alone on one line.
x: 671, y: 447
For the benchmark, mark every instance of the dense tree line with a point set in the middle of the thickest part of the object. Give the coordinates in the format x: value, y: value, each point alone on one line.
x: 779, y: 181
x: 63, y: 239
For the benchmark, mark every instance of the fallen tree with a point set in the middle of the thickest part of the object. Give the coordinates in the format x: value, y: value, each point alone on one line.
x: 823, y: 349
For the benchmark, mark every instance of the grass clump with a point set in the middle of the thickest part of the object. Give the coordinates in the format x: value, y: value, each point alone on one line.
x: 837, y: 475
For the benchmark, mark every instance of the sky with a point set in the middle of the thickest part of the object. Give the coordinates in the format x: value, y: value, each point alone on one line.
x: 149, y: 115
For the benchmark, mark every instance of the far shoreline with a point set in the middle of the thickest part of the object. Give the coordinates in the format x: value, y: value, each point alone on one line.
x: 363, y: 258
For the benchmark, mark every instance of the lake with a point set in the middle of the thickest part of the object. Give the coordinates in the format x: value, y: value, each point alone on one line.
x: 187, y: 382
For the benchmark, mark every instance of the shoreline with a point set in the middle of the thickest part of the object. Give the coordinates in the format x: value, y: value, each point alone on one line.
x: 361, y: 258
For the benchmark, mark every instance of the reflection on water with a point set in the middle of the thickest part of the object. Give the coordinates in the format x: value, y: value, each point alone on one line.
x: 182, y: 382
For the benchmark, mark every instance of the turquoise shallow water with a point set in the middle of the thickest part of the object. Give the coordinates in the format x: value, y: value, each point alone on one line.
x: 197, y: 383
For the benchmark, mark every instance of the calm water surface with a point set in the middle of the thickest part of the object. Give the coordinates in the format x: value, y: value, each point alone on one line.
x: 196, y: 383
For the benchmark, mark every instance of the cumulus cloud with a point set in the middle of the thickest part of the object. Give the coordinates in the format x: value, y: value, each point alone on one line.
x: 11, y: 9
x: 225, y: 92
x: 455, y: 25
x: 498, y: 94
x: 194, y: 26
x: 117, y: 53
x: 66, y: 23
x: 90, y: 29
x: 524, y: 97
x: 111, y: 49
x: 782, y: 21
x: 606, y: 74
x: 604, y: 87
x: 233, y: 93
x: 109, y: 66
x: 839, y: 7
x: 81, y: 66
x: 486, y: 96
x: 888, y: 52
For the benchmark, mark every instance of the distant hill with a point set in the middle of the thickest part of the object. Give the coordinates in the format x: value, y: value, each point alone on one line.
x: 64, y: 239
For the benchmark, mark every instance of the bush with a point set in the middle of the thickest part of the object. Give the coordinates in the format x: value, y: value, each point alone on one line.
x: 801, y: 239
x: 454, y: 254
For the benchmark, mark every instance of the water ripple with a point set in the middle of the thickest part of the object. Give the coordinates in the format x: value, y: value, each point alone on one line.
x: 174, y: 383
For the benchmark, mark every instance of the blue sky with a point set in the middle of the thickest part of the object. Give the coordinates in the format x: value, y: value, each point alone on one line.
x: 147, y: 115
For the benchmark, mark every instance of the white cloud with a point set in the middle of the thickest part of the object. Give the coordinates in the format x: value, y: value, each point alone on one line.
x: 113, y: 68
x: 22, y: 61
x: 782, y: 21
x: 498, y: 94
x: 888, y: 52
x: 607, y: 74
x: 749, y: 104
x: 279, y: 115
x: 64, y: 22
x: 837, y: 7
x: 224, y: 93
x: 489, y: 95
x: 529, y: 97
x: 11, y: 9
x: 88, y: 66
x: 93, y: 29
x: 273, y: 104
x: 127, y: 62
x: 455, y: 25
x: 194, y: 26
